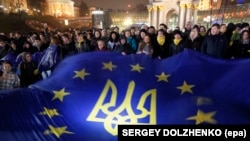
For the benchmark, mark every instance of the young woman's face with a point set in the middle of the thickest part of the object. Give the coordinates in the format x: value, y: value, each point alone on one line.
x: 26, y: 45
x: 28, y: 57
x: 223, y: 28
x: 127, y: 34
x: 123, y: 41
x: 13, y: 46
x: 97, y: 34
x: 202, y: 29
x: 142, y: 34
x: 177, y: 36
x: 146, y: 39
x: 160, y: 34
x: 6, y: 67
x: 245, y: 36
x: 101, y: 44
x: 113, y: 36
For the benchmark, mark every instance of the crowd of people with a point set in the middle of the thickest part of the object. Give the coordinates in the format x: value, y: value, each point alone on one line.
x: 30, y: 57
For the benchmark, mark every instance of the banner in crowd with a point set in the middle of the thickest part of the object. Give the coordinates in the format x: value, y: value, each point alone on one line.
x: 89, y: 95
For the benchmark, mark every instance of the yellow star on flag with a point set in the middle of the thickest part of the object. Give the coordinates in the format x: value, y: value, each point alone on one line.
x: 186, y: 88
x: 60, y: 94
x: 108, y: 66
x: 136, y: 67
x: 50, y: 112
x: 203, y: 117
x: 81, y: 74
x: 57, y: 131
x: 162, y: 77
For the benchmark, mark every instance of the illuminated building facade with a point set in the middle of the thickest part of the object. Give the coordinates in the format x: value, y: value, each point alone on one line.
x: 60, y: 8
x: 177, y: 12
x: 13, y: 5
x: 172, y: 12
x: 228, y: 11
x: 111, y: 18
x: 56, y: 8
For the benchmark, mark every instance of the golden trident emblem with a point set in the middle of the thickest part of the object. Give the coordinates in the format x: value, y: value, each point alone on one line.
x: 114, y: 117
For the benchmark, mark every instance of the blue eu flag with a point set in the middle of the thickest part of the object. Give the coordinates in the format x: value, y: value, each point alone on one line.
x: 89, y: 94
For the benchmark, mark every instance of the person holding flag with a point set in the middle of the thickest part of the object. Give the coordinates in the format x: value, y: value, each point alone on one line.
x: 49, y: 59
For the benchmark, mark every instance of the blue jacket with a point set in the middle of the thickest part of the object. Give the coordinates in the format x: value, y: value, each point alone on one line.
x: 132, y: 42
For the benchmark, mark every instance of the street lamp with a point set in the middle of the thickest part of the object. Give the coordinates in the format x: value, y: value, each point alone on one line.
x: 129, y: 6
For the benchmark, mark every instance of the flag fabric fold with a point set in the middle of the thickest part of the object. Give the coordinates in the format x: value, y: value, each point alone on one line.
x: 89, y: 94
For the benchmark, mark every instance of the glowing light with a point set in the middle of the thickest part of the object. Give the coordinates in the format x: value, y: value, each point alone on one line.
x: 128, y: 21
x: 66, y: 22
x: 97, y: 12
x: 207, y: 19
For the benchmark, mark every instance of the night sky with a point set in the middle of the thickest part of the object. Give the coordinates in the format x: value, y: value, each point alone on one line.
x: 114, y: 4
